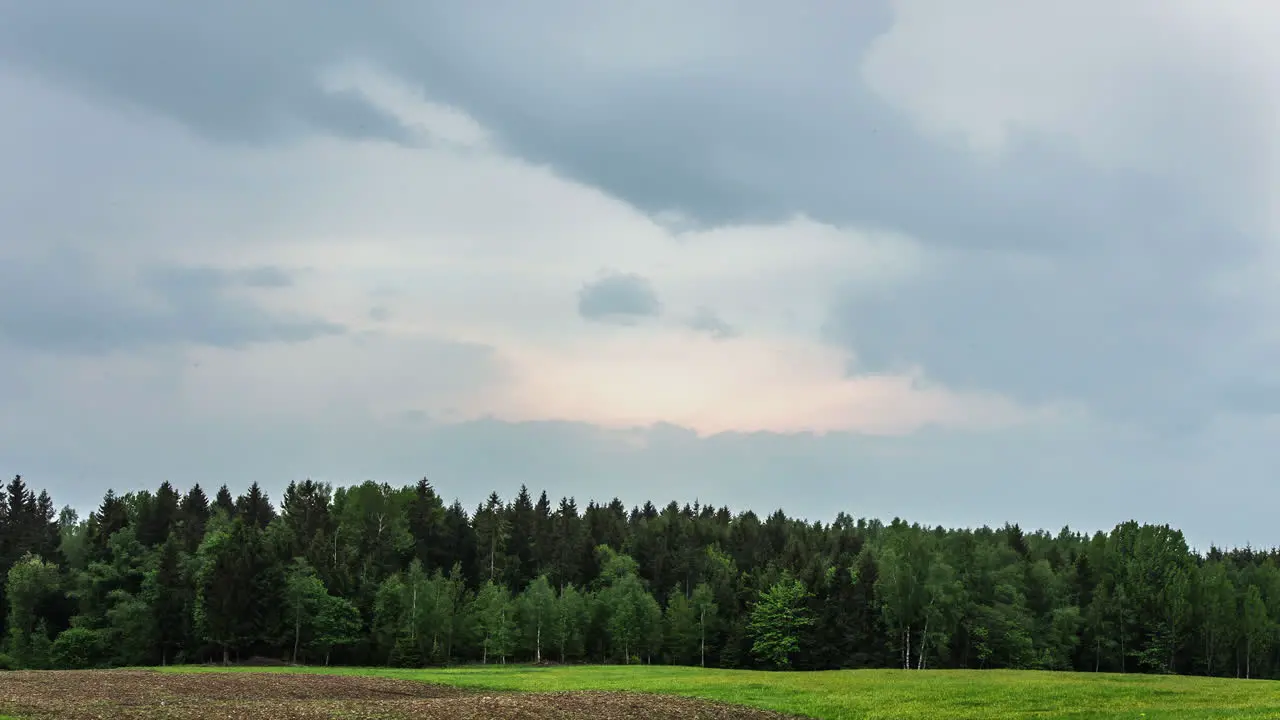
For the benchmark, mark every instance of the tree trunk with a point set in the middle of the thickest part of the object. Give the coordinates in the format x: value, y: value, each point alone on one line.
x: 297, y: 631
x: 906, y: 648
x: 225, y: 653
x: 924, y: 642
x: 702, y: 624
x: 537, y: 652
x: 326, y: 657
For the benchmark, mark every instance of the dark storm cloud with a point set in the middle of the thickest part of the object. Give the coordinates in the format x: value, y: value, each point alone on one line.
x: 63, y: 303
x: 1110, y: 305
x: 620, y: 298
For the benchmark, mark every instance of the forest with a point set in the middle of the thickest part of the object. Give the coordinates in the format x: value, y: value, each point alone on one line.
x: 378, y: 575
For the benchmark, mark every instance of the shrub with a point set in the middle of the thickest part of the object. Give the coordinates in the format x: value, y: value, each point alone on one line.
x: 76, y: 648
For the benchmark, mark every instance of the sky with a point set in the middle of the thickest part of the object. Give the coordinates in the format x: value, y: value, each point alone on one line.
x: 960, y: 263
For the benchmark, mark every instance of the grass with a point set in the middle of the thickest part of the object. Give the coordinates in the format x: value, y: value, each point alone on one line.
x: 901, y: 695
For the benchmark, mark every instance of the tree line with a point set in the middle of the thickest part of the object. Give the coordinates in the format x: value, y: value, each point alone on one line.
x: 373, y: 574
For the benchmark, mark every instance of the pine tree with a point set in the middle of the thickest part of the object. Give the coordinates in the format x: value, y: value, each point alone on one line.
x: 193, y: 517
x: 165, y: 591
x: 255, y: 507
x: 520, y: 541
x: 224, y: 502
x: 427, y: 526
x: 492, y: 530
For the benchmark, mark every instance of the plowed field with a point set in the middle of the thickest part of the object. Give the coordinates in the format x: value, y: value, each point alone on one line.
x: 147, y: 695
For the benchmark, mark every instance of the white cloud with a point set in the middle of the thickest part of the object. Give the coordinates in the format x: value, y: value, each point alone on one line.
x: 1134, y: 85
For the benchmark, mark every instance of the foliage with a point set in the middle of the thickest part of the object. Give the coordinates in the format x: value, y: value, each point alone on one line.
x: 777, y: 620
x: 373, y: 573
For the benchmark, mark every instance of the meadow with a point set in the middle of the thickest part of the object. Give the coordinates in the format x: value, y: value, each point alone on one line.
x: 840, y: 694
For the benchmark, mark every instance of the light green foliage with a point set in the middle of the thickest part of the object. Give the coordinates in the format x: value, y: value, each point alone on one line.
x: 893, y: 694
x: 425, y: 613
x: 537, y: 609
x: 777, y: 618
x: 1256, y: 627
x: 494, y: 620
x: 705, y: 610
x: 440, y: 610
x: 372, y: 531
x: 681, y: 627
x: 337, y: 623
x: 389, y: 610
x: 218, y: 596
x: 304, y: 595
x: 1217, y: 597
x: 633, y: 617
x: 133, y: 629
x: 77, y: 647
x: 29, y: 582
x: 570, y: 623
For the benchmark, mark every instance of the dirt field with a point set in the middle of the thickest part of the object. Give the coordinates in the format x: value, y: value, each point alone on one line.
x: 107, y: 694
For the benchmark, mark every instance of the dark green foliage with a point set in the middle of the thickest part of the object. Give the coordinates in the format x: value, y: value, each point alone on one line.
x: 224, y: 502
x: 254, y: 508
x: 376, y: 574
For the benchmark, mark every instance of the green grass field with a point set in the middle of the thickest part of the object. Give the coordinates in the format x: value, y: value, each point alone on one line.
x: 882, y: 693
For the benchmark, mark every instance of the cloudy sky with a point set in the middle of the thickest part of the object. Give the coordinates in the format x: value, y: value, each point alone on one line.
x: 957, y: 262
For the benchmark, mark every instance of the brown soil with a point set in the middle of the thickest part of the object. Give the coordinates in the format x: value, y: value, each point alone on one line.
x: 148, y: 695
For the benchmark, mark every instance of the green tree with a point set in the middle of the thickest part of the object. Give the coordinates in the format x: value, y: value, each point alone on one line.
x: 337, y: 623
x: 134, y: 631
x: 777, y: 619
x: 29, y: 583
x: 537, y: 608
x: 632, y: 613
x: 493, y: 616
x: 165, y: 591
x: 704, y: 608
x: 1218, y: 608
x: 569, y: 623
x: 1257, y: 627
x: 682, y: 628
x: 304, y: 597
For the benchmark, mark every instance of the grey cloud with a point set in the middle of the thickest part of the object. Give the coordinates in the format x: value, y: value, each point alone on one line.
x: 1135, y: 335
x: 705, y: 320
x: 620, y: 298
x: 1056, y: 279
x: 219, y: 68
x: 768, y: 122
x: 64, y: 303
